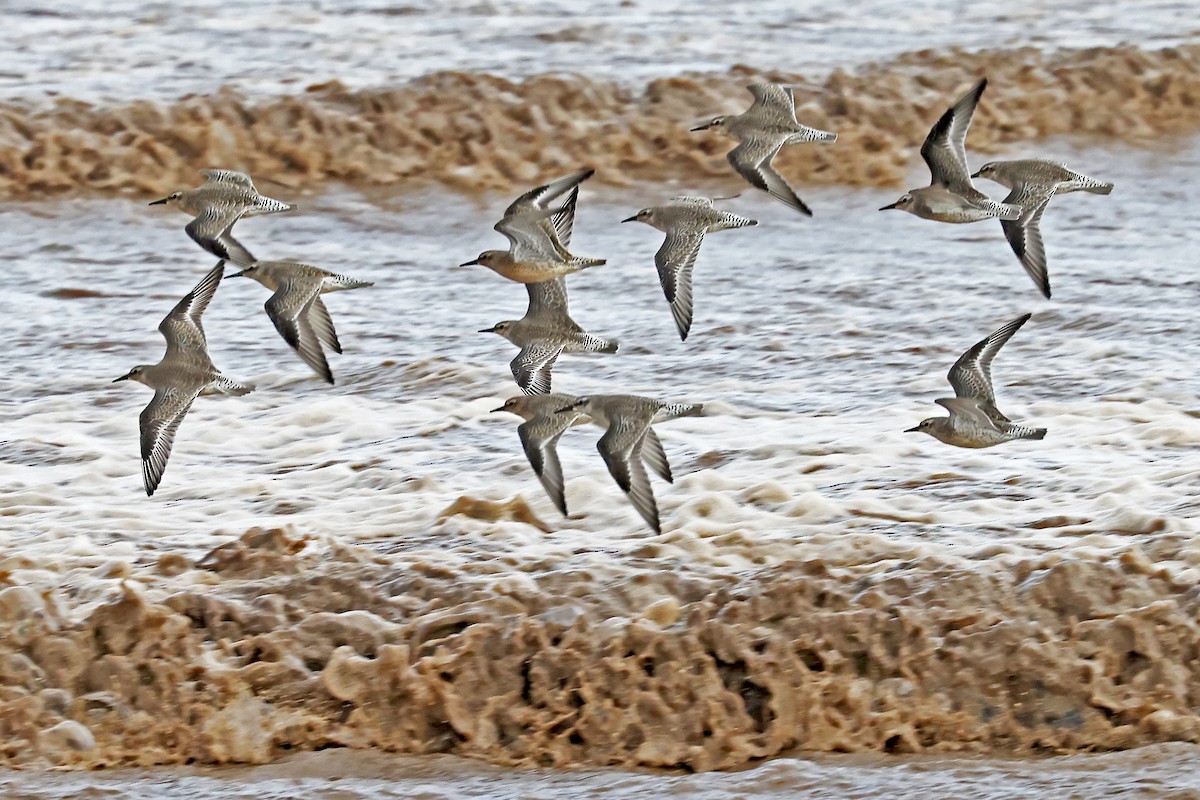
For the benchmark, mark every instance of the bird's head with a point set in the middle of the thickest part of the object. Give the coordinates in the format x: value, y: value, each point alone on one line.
x: 168, y: 200
x: 248, y: 271
x: 488, y: 258
x: 138, y: 374
x: 925, y: 426
x: 502, y: 328
x: 905, y: 202
x: 715, y: 122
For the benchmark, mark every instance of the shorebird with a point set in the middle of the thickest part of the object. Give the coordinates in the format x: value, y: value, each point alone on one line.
x: 541, y: 345
x: 974, y: 420
x: 628, y: 441
x: 184, y: 372
x: 539, y: 433
x: 1032, y: 183
x: 684, y: 220
x: 225, y: 197
x: 950, y: 196
x: 768, y: 125
x: 538, y: 235
x: 297, y: 310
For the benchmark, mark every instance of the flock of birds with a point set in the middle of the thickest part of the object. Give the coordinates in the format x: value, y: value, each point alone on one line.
x: 538, y: 227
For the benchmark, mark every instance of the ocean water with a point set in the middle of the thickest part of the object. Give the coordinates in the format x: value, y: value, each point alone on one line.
x: 816, y: 343
x: 106, y: 51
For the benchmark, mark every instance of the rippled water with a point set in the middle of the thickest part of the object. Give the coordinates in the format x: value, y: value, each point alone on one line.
x: 816, y: 343
x: 114, y: 50
x: 1160, y: 771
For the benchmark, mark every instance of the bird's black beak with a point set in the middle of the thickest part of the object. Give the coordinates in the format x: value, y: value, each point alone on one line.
x: 501, y: 408
x: 893, y: 205
x: 704, y: 127
x: 159, y: 202
x: 488, y: 330
x: 913, y: 430
x: 124, y: 377
x: 631, y: 219
x: 469, y: 263
x: 974, y: 174
x: 241, y: 274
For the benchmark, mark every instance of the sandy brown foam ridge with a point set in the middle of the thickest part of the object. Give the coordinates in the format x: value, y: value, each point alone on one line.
x: 475, y: 130
x: 264, y: 647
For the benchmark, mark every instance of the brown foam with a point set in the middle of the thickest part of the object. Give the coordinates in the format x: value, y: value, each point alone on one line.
x: 471, y: 131
x: 271, y: 645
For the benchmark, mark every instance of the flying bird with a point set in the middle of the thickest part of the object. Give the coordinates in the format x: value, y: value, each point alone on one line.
x: 974, y: 420
x: 225, y: 197
x: 183, y: 373
x: 761, y: 131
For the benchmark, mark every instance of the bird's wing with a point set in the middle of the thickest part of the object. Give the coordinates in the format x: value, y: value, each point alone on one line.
x: 182, y: 327
x: 542, y: 196
x: 322, y: 323
x: 675, y: 260
x: 548, y: 304
x: 691, y: 201
x: 773, y: 97
x: 210, y: 230
x: 655, y: 457
x: 973, y: 409
x: 227, y: 176
x: 158, y: 422
x: 620, y: 447
x: 562, y: 221
x: 238, y: 253
x: 535, y: 231
x: 752, y: 160
x: 971, y: 375
x: 539, y: 437
x: 532, y: 366
x: 289, y: 309
x: 527, y: 239
x: 945, y: 148
x: 1025, y: 235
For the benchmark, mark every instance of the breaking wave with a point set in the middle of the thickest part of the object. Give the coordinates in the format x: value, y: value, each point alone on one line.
x: 471, y: 131
x: 272, y: 644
